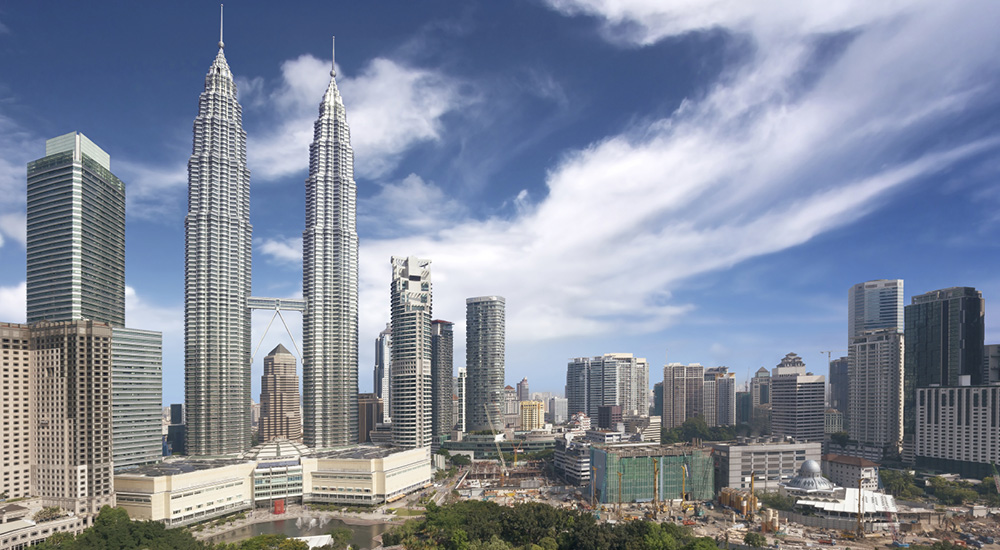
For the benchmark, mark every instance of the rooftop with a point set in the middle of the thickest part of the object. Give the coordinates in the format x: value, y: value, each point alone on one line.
x: 850, y: 460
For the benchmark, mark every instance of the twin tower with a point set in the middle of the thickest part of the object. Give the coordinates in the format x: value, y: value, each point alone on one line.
x: 217, y: 358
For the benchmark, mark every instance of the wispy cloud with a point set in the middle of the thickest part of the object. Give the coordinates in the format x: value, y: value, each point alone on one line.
x: 412, y: 205
x: 18, y: 146
x: 281, y: 249
x: 153, y: 192
x: 391, y: 107
x: 13, y: 302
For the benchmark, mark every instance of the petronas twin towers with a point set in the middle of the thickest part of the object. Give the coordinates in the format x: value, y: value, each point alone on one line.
x: 217, y: 277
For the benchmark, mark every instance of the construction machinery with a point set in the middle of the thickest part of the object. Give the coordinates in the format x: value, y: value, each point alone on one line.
x: 496, y: 441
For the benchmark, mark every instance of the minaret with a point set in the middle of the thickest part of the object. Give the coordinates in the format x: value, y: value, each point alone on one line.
x: 330, y: 281
x: 217, y: 272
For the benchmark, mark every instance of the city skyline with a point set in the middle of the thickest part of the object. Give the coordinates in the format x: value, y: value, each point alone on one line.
x: 416, y: 98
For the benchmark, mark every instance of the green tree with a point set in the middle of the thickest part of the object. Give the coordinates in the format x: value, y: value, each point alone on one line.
x: 776, y: 501
x: 754, y: 539
x: 695, y: 427
x: 840, y: 438
x: 460, y: 460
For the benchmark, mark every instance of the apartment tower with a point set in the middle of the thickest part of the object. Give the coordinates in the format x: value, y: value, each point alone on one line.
x: 797, y: 401
x: 442, y: 349
x: 217, y: 251
x: 485, y: 327
x: 330, y: 281
x: 411, y: 352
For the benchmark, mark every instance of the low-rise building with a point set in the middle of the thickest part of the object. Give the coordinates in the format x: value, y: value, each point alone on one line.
x: 672, y: 470
x: 846, y: 471
x: 820, y: 503
x: 572, y: 460
x: 769, y: 461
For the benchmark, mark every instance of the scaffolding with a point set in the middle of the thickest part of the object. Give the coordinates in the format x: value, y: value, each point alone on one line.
x: 641, y: 473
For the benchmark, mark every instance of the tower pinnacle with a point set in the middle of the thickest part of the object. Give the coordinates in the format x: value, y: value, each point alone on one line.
x: 333, y: 56
x: 221, y: 43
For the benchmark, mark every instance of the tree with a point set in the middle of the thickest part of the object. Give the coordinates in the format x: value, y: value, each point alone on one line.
x: 341, y: 538
x: 695, y: 427
x: 840, y: 438
x: 460, y: 460
x: 754, y: 539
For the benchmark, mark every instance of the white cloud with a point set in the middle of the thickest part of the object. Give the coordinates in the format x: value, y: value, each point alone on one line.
x: 391, y: 107
x: 281, y: 249
x: 14, y: 225
x: 411, y: 205
x: 13, y: 303
x: 153, y: 192
x: 17, y: 147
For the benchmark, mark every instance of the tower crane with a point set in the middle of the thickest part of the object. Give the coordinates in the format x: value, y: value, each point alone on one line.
x: 496, y: 441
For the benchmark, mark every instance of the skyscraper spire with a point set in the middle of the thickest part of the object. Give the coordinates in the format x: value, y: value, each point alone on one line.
x: 221, y: 43
x: 217, y: 272
x: 333, y: 56
x: 330, y: 282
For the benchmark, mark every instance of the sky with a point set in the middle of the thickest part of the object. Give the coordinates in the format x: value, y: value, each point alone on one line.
x: 689, y: 182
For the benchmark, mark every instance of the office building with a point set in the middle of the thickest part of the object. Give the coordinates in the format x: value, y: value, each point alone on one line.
x: 461, y: 382
x: 330, y: 281
x: 874, y: 305
x: 217, y: 252
x: 411, y: 352
x: 523, y: 392
x: 75, y: 234
x: 175, y: 431
x: 958, y: 429
x: 572, y: 460
x: 532, y: 415
x: 137, y: 396
x: 383, y: 373
x: 609, y: 379
x: 839, y: 397
x: 558, y: 410
x: 633, y: 382
x: 771, y: 461
x: 280, y: 410
x: 657, y: 405
x: 485, y: 329
x: 847, y: 471
x: 609, y: 417
x: 797, y: 401
x: 876, y: 389
x: 442, y: 349
x: 760, y: 387
x: 833, y: 421
x: 943, y: 341
x: 369, y: 414
x: 991, y: 363
x: 71, y: 415
x: 719, y: 397
x: 683, y: 388
x: 16, y: 410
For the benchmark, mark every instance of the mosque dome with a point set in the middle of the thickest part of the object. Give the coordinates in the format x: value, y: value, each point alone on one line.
x: 810, y: 479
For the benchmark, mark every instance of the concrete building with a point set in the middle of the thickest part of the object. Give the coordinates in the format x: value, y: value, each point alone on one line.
x: 70, y: 419
x: 719, y: 397
x: 657, y: 405
x: 760, y: 387
x: 679, y: 469
x: 991, y: 362
x: 771, y: 461
x: 874, y: 305
x: 16, y: 410
x: 511, y: 406
x: 876, y: 389
x: 633, y: 382
x: 523, y: 391
x: 744, y: 407
x: 683, y: 388
x: 75, y: 234
x: 182, y: 492
x: 558, y: 410
x: 485, y: 341
x: 280, y: 407
x: 846, y: 471
x: 839, y: 391
x: 532, y: 417
x: 943, y: 342
x: 833, y: 421
x: 442, y: 349
x: 330, y: 281
x: 217, y: 253
x: 797, y: 401
x: 462, y: 382
x: 609, y: 417
x: 610, y: 379
x: 819, y: 503
x: 383, y: 369
x: 958, y: 429
x: 369, y: 415
x: 572, y: 460
x: 137, y: 396
x: 411, y: 352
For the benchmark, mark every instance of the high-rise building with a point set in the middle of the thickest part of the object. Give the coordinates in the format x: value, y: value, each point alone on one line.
x: 991, y: 363
x: 609, y: 379
x: 137, y: 396
x: 724, y: 390
x: 369, y: 414
x: 797, y: 401
x: 383, y: 354
x: 75, y: 234
x: 683, y: 388
x: 71, y: 415
x: 442, y: 349
x: 657, y: 399
x: 744, y: 407
x: 840, y: 398
x: 461, y: 382
x: 609, y: 416
x: 760, y: 387
x: 958, y: 429
x: 16, y: 410
x: 633, y: 383
x: 558, y: 410
x: 874, y: 305
x: 280, y: 408
x: 217, y: 252
x: 944, y: 341
x: 523, y: 392
x: 485, y: 329
x: 876, y: 389
x: 411, y: 352
x: 532, y: 417
x: 330, y: 281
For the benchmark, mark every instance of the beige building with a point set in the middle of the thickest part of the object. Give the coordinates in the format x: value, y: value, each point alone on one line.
x: 280, y: 407
x: 532, y: 415
x: 184, y: 491
x: 15, y: 469
x: 70, y: 419
x: 847, y: 471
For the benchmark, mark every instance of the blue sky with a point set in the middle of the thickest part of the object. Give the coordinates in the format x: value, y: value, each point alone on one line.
x: 687, y: 183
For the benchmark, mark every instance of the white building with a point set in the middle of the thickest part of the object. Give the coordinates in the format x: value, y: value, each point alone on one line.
x: 958, y: 429
x: 846, y: 471
x: 797, y: 401
x: 572, y: 460
x: 609, y: 379
x: 558, y: 410
x: 485, y: 349
x: 770, y: 462
x: 875, y: 388
x: 411, y: 352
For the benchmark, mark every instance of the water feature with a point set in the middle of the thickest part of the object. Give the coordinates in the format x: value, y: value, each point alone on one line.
x: 302, y: 527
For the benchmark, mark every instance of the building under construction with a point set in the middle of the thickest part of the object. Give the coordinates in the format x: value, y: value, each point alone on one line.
x: 640, y: 472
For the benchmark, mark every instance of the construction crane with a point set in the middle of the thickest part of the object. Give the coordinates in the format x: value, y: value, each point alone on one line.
x: 861, y: 501
x: 752, y: 505
x: 496, y: 441
x: 656, y: 486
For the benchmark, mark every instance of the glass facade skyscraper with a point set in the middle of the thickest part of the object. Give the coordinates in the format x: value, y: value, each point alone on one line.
x: 485, y: 328
x: 137, y: 396
x: 874, y: 305
x: 411, y: 352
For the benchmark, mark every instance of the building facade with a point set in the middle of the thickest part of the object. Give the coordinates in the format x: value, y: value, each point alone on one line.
x: 330, y: 281
x: 280, y: 407
x: 675, y: 472
x: 849, y: 471
x: 760, y: 387
x: 610, y: 379
x: 839, y: 394
x: 876, y: 389
x: 137, y: 396
x: 797, y: 401
x: 383, y: 369
x: 683, y: 389
x: 75, y: 234
x: 958, y: 429
x: 16, y: 410
x: 369, y: 414
x: 461, y: 384
x: 558, y: 410
x: 217, y: 253
x: 532, y: 415
x: 485, y: 330
x: 769, y: 462
x: 523, y: 390
x: 874, y: 305
x: 442, y: 350
x: 411, y: 352
x: 719, y: 397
